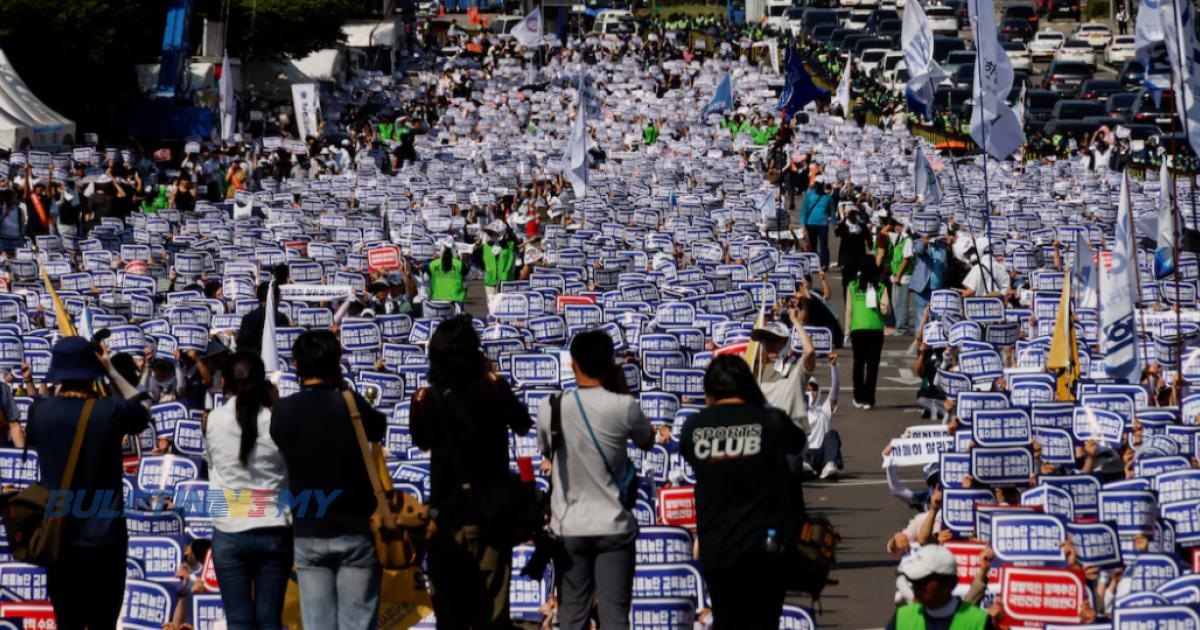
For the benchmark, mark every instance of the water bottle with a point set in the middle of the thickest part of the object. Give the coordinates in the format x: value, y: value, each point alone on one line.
x: 772, y: 543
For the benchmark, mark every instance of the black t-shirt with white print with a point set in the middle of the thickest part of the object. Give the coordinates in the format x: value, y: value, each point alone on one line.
x: 738, y: 454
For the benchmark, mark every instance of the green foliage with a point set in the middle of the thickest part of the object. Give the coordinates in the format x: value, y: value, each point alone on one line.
x: 78, y: 55
x: 271, y: 29
x: 1098, y: 9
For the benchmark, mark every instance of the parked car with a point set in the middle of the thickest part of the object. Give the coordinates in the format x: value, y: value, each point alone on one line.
x: 1023, y: 12
x: 1146, y: 111
x: 1076, y: 50
x: 958, y: 58
x: 956, y: 99
x: 1075, y: 109
x: 1094, y: 33
x: 1064, y: 77
x: 891, y: 61
x: 870, y: 60
x: 898, y: 80
x: 1038, y: 105
x: 1016, y: 29
x: 1118, y: 105
x: 1098, y: 89
x: 1045, y: 44
x: 1121, y: 49
x: 943, y: 20
x: 1066, y: 9
x: 857, y: 19
x: 963, y: 76
x: 944, y: 46
x: 822, y: 33
x: 1018, y: 55
x: 869, y: 43
x: 890, y: 29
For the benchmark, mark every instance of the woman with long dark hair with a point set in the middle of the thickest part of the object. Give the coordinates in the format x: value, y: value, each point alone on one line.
x: 252, y: 556
x: 463, y: 418
x: 592, y: 484
x: 447, y: 278
x: 737, y: 447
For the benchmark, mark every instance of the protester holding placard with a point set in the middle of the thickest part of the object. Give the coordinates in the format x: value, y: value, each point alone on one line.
x: 253, y: 555
x: 588, y: 505
x: 77, y: 430
x: 463, y: 418
x: 249, y: 336
x: 933, y: 574
x: 824, y: 452
x: 745, y: 509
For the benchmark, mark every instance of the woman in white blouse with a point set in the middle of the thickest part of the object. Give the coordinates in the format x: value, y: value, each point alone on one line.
x: 252, y: 544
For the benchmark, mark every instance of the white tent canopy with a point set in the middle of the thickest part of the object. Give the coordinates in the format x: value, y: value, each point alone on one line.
x: 24, y: 118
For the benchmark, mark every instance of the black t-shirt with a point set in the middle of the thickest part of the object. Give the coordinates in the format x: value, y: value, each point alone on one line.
x: 313, y: 431
x: 738, y: 454
x: 466, y: 430
x: 51, y: 430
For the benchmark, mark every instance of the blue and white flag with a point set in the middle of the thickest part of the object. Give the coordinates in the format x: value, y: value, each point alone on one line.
x: 924, y: 72
x: 1118, y: 327
x: 842, y: 97
x: 994, y: 125
x: 1019, y: 107
x: 83, y: 323
x: 925, y: 181
x: 799, y: 89
x: 1164, y: 248
x: 574, y: 161
x: 722, y: 99
x: 1179, y: 34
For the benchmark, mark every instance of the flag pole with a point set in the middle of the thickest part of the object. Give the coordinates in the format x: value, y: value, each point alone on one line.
x: 987, y: 197
x: 1176, y: 217
x: 1137, y: 277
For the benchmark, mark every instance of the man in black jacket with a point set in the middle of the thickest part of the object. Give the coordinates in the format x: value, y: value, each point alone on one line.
x: 250, y: 332
x: 338, y: 569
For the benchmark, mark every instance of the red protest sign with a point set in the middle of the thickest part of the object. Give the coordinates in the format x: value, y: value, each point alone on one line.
x: 384, y: 258
x: 564, y: 300
x: 1041, y: 594
x: 966, y: 558
x: 299, y: 246
x: 33, y: 615
x: 677, y: 506
x: 1195, y: 559
x: 209, y: 574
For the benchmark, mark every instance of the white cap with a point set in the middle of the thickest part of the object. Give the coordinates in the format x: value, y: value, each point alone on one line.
x: 775, y: 329
x: 930, y: 560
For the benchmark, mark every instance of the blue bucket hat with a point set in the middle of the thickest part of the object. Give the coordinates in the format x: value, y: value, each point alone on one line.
x: 74, y: 359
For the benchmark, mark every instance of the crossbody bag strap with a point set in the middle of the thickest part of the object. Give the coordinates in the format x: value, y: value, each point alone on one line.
x: 77, y: 443
x: 595, y: 442
x: 381, y: 501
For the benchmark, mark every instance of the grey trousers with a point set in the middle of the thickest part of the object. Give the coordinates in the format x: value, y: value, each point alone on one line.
x: 600, y: 566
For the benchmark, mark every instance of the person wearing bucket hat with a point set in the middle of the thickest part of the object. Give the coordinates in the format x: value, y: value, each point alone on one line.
x: 86, y: 585
x: 933, y: 573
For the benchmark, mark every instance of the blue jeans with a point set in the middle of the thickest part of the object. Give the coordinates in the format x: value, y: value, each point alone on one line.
x: 339, y: 582
x: 921, y: 302
x: 253, y: 568
x: 900, y: 299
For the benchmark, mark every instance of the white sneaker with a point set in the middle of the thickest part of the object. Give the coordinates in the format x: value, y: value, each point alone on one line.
x: 867, y: 407
x: 808, y: 470
x: 830, y: 471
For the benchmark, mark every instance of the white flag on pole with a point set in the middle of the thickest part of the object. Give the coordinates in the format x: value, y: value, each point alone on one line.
x: 228, y: 101
x: 917, y: 35
x: 529, y: 30
x: 305, y: 102
x: 1085, y: 273
x: 925, y: 181
x: 574, y: 162
x: 843, y: 88
x: 1179, y: 35
x: 270, y: 354
x: 994, y: 125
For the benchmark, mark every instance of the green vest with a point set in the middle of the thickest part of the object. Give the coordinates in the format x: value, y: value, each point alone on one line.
x: 967, y: 617
x: 898, y: 256
x: 446, y: 285
x: 497, y: 268
x: 650, y: 135
x: 385, y: 130
x: 861, y: 317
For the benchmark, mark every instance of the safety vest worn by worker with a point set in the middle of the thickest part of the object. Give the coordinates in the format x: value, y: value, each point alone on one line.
x: 967, y: 617
x: 446, y: 285
x: 497, y: 268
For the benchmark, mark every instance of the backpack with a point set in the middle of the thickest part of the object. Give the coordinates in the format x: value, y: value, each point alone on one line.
x: 811, y: 555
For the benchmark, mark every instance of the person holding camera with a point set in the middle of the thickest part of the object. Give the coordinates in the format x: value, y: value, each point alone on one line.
x: 593, y: 485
